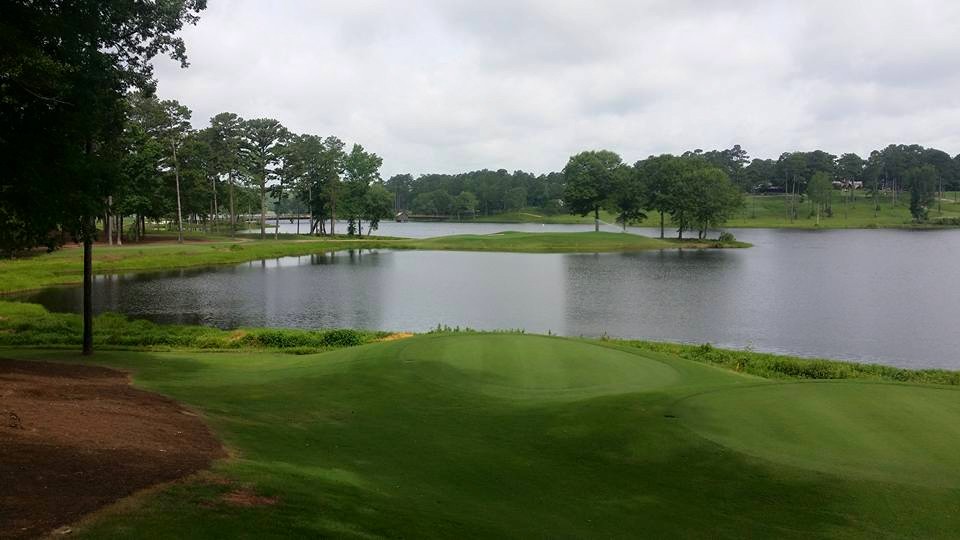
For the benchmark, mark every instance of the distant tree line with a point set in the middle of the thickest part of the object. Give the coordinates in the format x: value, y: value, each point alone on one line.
x: 890, y: 173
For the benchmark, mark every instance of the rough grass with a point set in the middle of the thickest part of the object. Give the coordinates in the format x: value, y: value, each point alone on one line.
x: 774, y: 366
x: 511, y: 435
x: 32, y: 325
x: 66, y: 266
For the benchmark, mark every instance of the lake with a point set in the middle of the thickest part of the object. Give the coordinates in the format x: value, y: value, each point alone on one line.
x: 869, y: 295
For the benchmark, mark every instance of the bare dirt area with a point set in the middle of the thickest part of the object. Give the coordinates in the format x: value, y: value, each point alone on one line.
x: 75, y: 438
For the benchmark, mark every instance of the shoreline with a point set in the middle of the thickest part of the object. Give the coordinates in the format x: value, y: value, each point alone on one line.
x: 31, y: 326
x: 64, y: 267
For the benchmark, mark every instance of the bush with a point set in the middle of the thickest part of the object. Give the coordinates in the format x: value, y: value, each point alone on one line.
x: 773, y: 366
x: 342, y: 338
x: 31, y: 325
x: 727, y: 237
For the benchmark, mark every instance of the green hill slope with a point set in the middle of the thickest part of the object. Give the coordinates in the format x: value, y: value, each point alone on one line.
x: 504, y: 435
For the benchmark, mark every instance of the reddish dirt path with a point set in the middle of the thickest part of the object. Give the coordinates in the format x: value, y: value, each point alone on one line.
x: 80, y: 437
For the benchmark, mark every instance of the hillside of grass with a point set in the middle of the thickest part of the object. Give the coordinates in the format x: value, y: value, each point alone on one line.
x: 770, y: 211
x: 507, y: 435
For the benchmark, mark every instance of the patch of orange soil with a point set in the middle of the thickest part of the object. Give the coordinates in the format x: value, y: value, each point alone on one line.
x: 75, y: 438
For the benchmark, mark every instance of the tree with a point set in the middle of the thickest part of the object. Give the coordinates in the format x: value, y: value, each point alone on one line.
x: 465, y: 203
x: 377, y: 204
x: 922, y: 182
x: 361, y: 168
x: 629, y: 198
x: 65, y: 68
x: 400, y: 185
x: 704, y: 198
x: 819, y: 191
x: 261, y: 149
x: 225, y: 144
x: 515, y: 199
x: 591, y: 177
x: 660, y: 176
x: 169, y: 122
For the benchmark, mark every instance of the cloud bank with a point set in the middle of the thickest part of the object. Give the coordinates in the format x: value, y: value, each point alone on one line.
x: 450, y: 86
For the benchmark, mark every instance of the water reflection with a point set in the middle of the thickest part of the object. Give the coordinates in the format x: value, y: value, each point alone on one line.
x: 838, y: 294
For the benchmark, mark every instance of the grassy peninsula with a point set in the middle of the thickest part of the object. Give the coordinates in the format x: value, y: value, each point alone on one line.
x: 65, y: 266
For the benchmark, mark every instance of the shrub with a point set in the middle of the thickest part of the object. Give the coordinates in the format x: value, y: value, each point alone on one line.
x: 727, y: 237
x: 31, y: 325
x: 342, y: 338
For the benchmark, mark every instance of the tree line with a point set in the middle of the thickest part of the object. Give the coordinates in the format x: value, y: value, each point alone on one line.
x: 693, y: 193
x: 888, y: 173
x: 210, y: 175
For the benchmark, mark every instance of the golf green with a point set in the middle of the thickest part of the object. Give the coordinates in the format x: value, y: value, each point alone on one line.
x: 508, y: 435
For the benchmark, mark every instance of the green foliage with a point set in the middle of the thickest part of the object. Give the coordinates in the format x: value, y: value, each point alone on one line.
x: 922, y: 182
x: 465, y: 204
x: 591, y: 178
x: 703, y: 198
x: 65, y: 67
x: 772, y: 366
x: 32, y: 325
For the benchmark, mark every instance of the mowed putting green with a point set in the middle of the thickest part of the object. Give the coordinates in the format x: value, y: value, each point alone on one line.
x: 506, y: 435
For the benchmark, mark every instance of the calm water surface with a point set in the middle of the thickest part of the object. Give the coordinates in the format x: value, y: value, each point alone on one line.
x: 870, y: 295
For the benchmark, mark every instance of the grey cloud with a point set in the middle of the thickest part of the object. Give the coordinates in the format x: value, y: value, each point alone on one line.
x: 445, y: 86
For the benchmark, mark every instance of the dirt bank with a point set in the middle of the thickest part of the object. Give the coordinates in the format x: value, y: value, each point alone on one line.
x: 75, y: 438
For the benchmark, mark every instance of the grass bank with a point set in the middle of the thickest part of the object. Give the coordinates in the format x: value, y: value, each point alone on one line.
x: 65, y: 266
x: 776, y: 366
x: 769, y: 211
x: 507, y: 435
x: 31, y: 325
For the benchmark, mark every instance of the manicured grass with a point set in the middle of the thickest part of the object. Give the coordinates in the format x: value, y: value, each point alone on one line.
x: 65, y: 266
x: 508, y: 435
x: 769, y: 211
x: 562, y: 242
x: 535, y: 215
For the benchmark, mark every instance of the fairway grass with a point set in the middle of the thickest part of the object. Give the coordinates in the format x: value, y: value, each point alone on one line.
x: 509, y: 435
x: 770, y: 212
x: 65, y: 266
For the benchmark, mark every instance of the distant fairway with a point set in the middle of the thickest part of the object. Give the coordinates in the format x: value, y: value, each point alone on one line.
x: 506, y: 435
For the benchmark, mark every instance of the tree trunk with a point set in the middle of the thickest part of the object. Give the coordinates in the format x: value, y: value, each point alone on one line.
x: 333, y: 215
x: 107, y: 231
x: 276, y: 229
x: 313, y: 224
x: 119, y: 229
x: 596, y: 219
x: 661, y: 224
x: 263, y: 208
x: 233, y: 209
x: 176, y: 174
x: 88, y: 287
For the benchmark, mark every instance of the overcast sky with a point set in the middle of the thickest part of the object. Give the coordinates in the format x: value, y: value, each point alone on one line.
x: 451, y: 86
